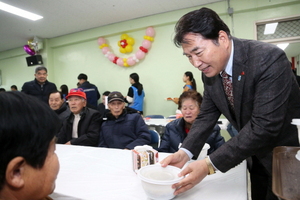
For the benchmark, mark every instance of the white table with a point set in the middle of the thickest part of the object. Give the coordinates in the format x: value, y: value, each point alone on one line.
x: 99, y: 173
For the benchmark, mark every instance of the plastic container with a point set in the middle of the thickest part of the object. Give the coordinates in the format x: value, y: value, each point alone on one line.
x: 157, y: 181
x: 286, y: 172
x: 143, y: 156
x: 203, y: 152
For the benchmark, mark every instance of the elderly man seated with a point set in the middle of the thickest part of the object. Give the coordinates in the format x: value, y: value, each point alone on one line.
x: 28, y: 163
x: 122, y: 129
x: 82, y: 127
x: 58, y: 104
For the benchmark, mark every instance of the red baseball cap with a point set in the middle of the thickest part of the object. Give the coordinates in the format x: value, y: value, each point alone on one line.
x: 76, y: 92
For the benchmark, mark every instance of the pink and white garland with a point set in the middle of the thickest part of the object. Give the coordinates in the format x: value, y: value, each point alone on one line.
x: 132, y: 60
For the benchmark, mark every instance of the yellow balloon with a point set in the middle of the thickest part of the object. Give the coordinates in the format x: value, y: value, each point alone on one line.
x: 29, y: 44
x: 128, y: 48
x: 119, y: 43
x: 124, y: 36
x: 130, y: 41
x: 122, y: 50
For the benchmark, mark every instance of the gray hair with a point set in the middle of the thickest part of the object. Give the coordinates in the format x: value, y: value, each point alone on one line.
x: 39, y: 68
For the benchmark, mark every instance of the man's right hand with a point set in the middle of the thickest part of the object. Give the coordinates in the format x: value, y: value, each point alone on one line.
x: 177, y: 159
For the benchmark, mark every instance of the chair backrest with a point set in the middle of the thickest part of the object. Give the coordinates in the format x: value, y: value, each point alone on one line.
x: 155, y: 138
x: 155, y: 116
x: 172, y: 117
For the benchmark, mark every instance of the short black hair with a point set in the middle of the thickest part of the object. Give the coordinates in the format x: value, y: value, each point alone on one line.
x: 106, y: 93
x: 82, y: 76
x: 27, y: 126
x: 204, y: 21
x: 56, y: 91
x: 14, y: 86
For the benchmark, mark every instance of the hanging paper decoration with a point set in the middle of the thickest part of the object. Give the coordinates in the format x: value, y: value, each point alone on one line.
x: 132, y: 60
x: 126, y: 44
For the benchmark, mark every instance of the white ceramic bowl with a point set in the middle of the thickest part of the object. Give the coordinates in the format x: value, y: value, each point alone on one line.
x: 157, y: 181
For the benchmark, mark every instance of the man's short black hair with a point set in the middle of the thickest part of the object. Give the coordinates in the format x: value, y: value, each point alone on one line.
x: 106, y: 93
x: 204, y: 21
x: 82, y: 76
x: 56, y: 91
x: 14, y: 86
x: 27, y: 126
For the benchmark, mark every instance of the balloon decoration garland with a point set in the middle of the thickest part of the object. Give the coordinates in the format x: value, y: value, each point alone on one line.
x: 132, y: 60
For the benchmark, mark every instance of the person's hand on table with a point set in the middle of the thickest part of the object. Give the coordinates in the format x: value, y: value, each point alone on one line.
x: 68, y: 143
x: 196, y: 170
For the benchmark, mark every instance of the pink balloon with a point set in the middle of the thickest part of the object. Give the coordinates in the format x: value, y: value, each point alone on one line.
x: 146, y: 44
x: 130, y: 61
x: 150, y: 31
x: 101, y: 41
x: 139, y: 54
x: 120, y: 62
x: 105, y: 50
x: 29, y: 50
x: 111, y: 57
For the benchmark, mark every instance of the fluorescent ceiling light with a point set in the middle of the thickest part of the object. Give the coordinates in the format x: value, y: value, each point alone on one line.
x: 270, y: 28
x: 283, y: 45
x: 19, y: 12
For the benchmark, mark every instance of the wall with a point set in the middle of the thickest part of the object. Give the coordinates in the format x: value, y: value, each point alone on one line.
x: 162, y: 69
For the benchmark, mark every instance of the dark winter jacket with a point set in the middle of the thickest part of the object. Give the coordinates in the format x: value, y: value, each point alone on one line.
x: 92, y: 94
x: 126, y: 132
x: 88, y: 128
x: 40, y: 91
x: 63, y: 112
x: 175, y: 134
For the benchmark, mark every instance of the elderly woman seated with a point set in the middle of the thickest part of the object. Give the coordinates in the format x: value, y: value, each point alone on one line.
x: 122, y: 129
x: 175, y: 132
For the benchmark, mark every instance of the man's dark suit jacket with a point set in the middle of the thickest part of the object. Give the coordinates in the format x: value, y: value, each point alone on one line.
x: 35, y: 89
x: 266, y: 99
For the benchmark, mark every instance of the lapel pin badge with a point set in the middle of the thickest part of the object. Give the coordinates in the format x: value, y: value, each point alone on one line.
x: 240, y: 76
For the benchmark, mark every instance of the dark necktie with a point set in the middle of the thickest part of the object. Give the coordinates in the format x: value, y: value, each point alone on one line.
x: 228, y: 88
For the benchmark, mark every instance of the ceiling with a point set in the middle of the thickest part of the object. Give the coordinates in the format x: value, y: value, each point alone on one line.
x: 63, y: 17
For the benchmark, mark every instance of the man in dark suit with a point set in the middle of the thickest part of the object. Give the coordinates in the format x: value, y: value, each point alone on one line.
x: 265, y: 100
x: 40, y: 87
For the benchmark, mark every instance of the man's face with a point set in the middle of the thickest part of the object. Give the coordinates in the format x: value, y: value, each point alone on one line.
x: 41, y: 76
x: 80, y: 81
x: 76, y: 104
x: 55, y: 101
x: 41, y: 181
x: 204, y: 54
x: 116, y: 108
